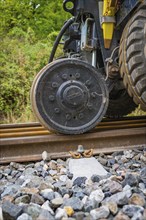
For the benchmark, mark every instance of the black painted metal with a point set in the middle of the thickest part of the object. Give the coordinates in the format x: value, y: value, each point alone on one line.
x: 70, y: 96
x: 124, y: 12
x: 84, y: 7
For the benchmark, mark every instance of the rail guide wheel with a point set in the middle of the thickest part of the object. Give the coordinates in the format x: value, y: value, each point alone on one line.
x: 69, y: 96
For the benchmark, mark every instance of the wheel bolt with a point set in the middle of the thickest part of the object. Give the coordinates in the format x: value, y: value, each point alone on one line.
x: 93, y: 94
x: 90, y: 107
x: 68, y: 117
x: 80, y: 149
x: 54, y: 84
x: 81, y: 115
x: 64, y: 76
x: 51, y: 98
x: 88, y: 83
x: 57, y: 110
x: 77, y: 75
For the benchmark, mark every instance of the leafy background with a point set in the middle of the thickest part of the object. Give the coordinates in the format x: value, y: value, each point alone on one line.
x: 27, y: 31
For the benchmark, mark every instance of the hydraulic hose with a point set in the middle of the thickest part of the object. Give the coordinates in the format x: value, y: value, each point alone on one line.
x: 58, y: 38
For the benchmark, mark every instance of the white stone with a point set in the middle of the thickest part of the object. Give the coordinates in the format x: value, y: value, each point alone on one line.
x: 24, y: 216
x: 144, y: 192
x: 69, y: 184
x: 128, y: 154
x: 60, y: 213
x: 63, y: 178
x: 97, y: 195
x: 45, y: 167
x: 100, y: 213
x: 46, y: 190
x: 63, y: 170
x: 89, y: 182
x: 53, y: 172
x: 44, y: 155
x: 57, y: 195
x: 1, y: 216
x: 85, y: 199
x: 86, y: 167
x: 66, y: 196
x: 47, y: 207
x: 57, y: 202
x: 25, y: 182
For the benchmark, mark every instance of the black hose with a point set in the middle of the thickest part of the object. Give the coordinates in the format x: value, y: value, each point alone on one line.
x: 58, y: 38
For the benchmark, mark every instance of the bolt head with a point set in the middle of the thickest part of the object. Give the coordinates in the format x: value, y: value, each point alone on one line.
x: 77, y: 75
x: 51, y: 98
x: 90, y: 107
x: 80, y: 149
x: 57, y: 110
x: 93, y: 94
x: 54, y: 84
x: 68, y: 117
x: 64, y: 76
x: 88, y: 83
x: 81, y: 115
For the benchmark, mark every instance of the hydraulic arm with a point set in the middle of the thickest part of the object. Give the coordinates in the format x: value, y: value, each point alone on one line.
x: 108, y: 21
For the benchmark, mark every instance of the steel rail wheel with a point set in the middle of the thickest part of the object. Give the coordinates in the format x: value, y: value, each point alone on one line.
x: 69, y: 96
x: 132, y: 57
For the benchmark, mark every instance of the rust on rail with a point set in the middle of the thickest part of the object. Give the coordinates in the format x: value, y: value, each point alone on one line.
x: 36, y: 129
x: 108, y: 137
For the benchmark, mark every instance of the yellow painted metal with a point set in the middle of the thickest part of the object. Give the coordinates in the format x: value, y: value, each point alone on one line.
x: 109, y: 9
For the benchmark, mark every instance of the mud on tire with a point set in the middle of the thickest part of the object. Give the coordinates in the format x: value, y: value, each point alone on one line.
x: 132, y: 57
x: 120, y: 103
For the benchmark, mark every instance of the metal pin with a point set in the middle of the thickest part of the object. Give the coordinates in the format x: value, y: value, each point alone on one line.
x: 80, y: 149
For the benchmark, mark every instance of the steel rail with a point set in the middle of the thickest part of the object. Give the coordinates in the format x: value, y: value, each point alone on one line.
x: 108, y: 137
x: 37, y: 124
x: 36, y: 129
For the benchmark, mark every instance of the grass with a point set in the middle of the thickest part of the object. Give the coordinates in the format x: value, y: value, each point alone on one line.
x: 28, y: 116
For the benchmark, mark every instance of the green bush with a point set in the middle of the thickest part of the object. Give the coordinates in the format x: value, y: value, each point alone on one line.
x: 27, y: 32
x: 21, y: 59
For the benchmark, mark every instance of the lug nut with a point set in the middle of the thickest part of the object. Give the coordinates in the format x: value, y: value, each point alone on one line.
x: 77, y: 75
x: 81, y: 115
x: 93, y: 94
x: 57, y: 110
x: 54, y: 84
x: 88, y: 83
x: 68, y: 117
x: 51, y: 98
x: 64, y: 76
x: 90, y: 107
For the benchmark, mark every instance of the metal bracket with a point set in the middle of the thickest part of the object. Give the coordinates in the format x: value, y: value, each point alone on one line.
x: 107, y: 19
x: 81, y: 153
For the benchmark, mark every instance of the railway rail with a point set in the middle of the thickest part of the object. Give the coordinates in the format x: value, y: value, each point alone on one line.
x: 26, y: 142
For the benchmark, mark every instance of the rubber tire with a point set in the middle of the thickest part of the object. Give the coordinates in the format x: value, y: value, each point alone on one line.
x: 132, y: 57
x: 120, y: 103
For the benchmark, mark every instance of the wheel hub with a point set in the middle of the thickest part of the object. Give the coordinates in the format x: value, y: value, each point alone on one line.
x: 72, y: 94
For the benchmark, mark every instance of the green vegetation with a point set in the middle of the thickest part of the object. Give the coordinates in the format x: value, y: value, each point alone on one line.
x: 27, y: 31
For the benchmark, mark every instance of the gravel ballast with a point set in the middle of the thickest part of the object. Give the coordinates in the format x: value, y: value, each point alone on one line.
x: 47, y: 190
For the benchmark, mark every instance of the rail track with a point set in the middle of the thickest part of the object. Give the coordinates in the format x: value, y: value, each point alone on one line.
x: 26, y: 142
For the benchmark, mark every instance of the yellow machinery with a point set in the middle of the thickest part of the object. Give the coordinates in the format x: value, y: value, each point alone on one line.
x: 108, y: 21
